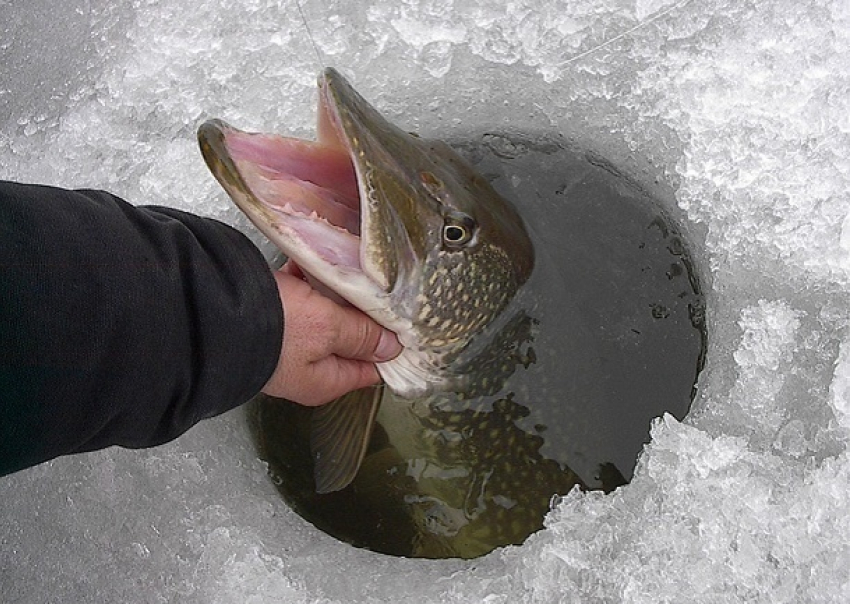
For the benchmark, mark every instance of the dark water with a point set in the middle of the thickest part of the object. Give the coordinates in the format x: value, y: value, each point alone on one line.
x: 615, y: 337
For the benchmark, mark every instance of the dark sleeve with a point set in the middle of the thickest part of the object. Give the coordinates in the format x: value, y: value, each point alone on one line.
x: 123, y: 325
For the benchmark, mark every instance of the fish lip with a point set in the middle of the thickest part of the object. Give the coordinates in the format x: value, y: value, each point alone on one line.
x: 331, y: 131
x: 212, y: 139
x: 342, y: 112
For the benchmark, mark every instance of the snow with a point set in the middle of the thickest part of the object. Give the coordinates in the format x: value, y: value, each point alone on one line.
x: 742, y: 110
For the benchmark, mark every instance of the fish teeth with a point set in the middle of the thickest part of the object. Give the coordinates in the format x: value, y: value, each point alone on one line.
x: 288, y: 210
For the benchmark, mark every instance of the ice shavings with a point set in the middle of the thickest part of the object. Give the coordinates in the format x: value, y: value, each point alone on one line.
x: 839, y: 389
x: 767, y: 346
x: 762, y: 156
x: 762, y: 544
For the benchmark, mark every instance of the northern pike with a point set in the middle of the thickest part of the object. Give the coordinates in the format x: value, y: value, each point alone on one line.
x: 484, y: 415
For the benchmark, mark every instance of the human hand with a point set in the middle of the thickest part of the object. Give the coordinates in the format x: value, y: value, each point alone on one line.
x: 328, y: 349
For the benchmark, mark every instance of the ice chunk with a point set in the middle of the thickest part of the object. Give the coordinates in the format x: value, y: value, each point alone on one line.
x: 761, y: 544
x: 763, y: 356
x: 839, y: 389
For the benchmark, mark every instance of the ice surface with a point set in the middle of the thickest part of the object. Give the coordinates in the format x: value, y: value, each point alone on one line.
x: 742, y: 108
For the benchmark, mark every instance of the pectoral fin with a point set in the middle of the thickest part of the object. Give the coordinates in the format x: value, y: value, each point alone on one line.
x: 339, y: 435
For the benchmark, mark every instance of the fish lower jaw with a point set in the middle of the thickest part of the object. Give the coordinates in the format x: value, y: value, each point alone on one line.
x: 411, y: 375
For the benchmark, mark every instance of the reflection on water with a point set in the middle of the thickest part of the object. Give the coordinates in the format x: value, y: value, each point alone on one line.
x: 608, y: 334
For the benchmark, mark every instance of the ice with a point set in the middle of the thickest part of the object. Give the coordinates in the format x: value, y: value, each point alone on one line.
x: 740, y: 110
x: 839, y: 389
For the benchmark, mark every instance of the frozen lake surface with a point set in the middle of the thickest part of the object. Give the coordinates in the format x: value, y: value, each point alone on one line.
x: 740, y: 111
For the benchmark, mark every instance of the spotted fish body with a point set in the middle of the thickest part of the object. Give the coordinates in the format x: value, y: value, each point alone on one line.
x: 404, y: 229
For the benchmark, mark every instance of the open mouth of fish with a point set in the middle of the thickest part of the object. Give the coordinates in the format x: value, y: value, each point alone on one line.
x: 398, y: 226
x: 305, y: 196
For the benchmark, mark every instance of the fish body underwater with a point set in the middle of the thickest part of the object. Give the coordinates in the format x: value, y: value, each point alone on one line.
x: 486, y: 414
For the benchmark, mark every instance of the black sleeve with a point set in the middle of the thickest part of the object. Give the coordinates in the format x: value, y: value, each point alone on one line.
x: 123, y: 325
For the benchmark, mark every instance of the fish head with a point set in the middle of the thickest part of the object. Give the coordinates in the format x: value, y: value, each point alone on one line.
x: 399, y: 226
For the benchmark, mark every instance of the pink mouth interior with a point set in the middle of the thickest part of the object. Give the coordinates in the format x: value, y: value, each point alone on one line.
x: 287, y: 165
x: 311, y: 186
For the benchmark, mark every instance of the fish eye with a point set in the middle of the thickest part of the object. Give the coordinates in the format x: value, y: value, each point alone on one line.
x: 458, y: 230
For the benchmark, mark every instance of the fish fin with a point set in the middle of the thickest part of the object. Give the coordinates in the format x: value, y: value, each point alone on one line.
x: 339, y: 435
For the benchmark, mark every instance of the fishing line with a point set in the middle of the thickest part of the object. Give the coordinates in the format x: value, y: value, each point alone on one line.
x: 310, y: 35
x: 622, y: 35
x: 578, y: 57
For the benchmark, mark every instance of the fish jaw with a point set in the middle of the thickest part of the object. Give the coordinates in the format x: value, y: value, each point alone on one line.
x: 344, y: 208
x: 303, y: 196
x: 400, y: 221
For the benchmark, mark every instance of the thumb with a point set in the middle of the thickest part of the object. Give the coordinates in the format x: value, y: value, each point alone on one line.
x: 359, y: 337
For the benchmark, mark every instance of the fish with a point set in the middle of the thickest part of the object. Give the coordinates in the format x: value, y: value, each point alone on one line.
x: 403, y: 228
x: 399, y: 226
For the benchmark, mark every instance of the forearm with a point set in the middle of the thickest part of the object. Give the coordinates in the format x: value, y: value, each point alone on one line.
x: 123, y: 325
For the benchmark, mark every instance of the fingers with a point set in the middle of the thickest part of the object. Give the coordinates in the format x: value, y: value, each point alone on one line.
x: 327, y: 349
x: 338, y: 376
x: 359, y: 337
